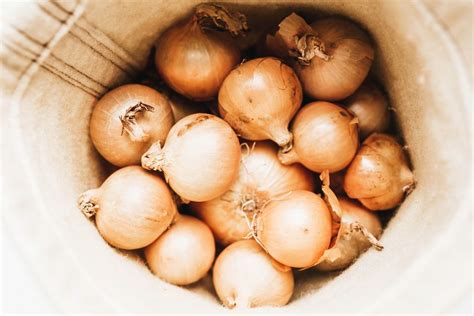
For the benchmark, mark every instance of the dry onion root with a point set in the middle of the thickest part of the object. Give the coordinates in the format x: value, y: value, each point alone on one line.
x: 132, y: 207
x: 332, y: 56
x: 259, y: 98
x: 127, y: 120
x: 194, y: 58
x: 244, y: 276
x: 184, y: 253
x: 200, y: 159
x: 261, y: 179
x: 379, y: 176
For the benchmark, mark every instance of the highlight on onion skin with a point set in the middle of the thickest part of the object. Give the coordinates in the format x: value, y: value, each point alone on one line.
x: 359, y: 230
x: 379, y: 176
x: 261, y: 179
x: 193, y: 57
x: 127, y: 120
x: 184, y: 253
x: 200, y: 159
x: 259, y: 98
x: 245, y: 276
x: 370, y: 106
x: 332, y: 56
x: 295, y: 230
x: 324, y: 137
x: 132, y: 207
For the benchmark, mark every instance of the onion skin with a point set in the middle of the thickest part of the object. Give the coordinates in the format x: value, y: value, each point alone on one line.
x: 370, y: 106
x: 261, y: 178
x: 132, y: 208
x: 107, y: 131
x: 184, y: 253
x: 379, y: 175
x: 324, y: 137
x: 296, y: 230
x: 200, y: 158
x: 259, y: 98
x: 245, y: 276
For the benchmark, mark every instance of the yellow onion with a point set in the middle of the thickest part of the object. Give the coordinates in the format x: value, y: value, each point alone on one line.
x: 332, y: 56
x: 244, y: 276
x: 193, y: 57
x: 324, y: 137
x: 127, y: 120
x: 184, y: 253
x: 370, y: 106
x: 200, y: 159
x: 261, y: 179
x: 295, y: 230
x: 132, y: 207
x: 259, y: 98
x: 379, y: 176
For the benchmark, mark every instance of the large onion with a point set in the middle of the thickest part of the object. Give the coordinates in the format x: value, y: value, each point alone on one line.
x: 200, y: 158
x: 261, y: 179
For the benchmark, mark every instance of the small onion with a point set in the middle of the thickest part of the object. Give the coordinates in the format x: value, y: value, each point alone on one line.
x: 261, y: 179
x: 332, y: 57
x: 324, y: 137
x: 245, y: 276
x: 370, y: 105
x: 127, y: 120
x: 359, y: 229
x: 295, y: 230
x: 132, y: 207
x: 184, y: 253
x: 379, y: 175
x: 259, y: 98
x: 200, y: 158
x: 193, y: 58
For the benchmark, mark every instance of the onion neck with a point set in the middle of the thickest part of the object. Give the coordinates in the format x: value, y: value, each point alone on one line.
x: 308, y: 46
x: 219, y: 18
x: 356, y: 227
x: 88, y: 202
x: 407, y: 179
x: 289, y: 157
x: 154, y: 158
x: 282, y: 137
x: 130, y: 124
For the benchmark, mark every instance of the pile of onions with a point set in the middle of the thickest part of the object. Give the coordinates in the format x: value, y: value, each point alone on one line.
x: 127, y: 120
x: 324, y: 137
x: 259, y: 98
x: 184, y: 253
x: 132, y: 207
x: 261, y: 179
x: 379, y: 176
x: 193, y: 57
x: 332, y: 56
x: 200, y: 159
x: 245, y: 276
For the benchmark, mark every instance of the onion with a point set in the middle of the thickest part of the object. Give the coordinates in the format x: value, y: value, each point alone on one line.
x: 295, y: 230
x: 200, y: 158
x: 132, y: 207
x: 332, y: 57
x: 379, y: 175
x: 193, y: 58
x: 359, y: 229
x: 324, y: 137
x: 245, y: 276
x: 261, y: 178
x: 184, y: 253
x: 127, y: 120
x: 259, y: 98
x: 370, y: 106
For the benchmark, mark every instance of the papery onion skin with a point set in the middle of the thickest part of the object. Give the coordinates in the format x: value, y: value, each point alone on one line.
x: 379, y: 176
x: 200, y: 158
x: 107, y: 131
x: 295, y: 230
x: 261, y: 178
x: 244, y: 276
x: 259, y: 98
x: 184, y: 253
x: 132, y: 207
x: 324, y: 137
x: 370, y: 105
